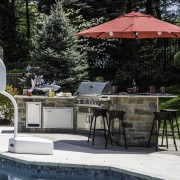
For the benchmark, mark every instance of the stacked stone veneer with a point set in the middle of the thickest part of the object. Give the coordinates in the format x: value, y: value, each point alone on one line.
x: 45, y: 102
x: 138, y: 118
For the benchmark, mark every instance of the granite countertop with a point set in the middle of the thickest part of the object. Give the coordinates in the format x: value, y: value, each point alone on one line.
x: 143, y: 95
x: 112, y: 95
x: 44, y: 97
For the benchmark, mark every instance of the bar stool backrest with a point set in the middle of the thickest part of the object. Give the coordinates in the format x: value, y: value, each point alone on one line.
x: 98, y: 112
x: 173, y: 112
x: 162, y: 115
x: 116, y: 114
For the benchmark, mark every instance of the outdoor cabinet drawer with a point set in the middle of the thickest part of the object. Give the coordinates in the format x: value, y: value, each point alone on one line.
x: 58, y: 117
x: 33, y: 114
x: 84, y: 121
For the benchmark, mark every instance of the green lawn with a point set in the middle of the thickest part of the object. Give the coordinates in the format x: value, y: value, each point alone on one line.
x: 171, y: 103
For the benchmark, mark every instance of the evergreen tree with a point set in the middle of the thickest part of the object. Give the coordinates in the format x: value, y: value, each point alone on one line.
x: 55, y: 52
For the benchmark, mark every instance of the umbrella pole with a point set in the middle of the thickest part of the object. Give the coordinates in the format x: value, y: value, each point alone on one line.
x: 134, y: 60
x: 164, y: 53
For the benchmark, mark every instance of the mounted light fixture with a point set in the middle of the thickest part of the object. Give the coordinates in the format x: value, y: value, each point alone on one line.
x: 159, y: 33
x: 111, y: 33
x: 136, y: 34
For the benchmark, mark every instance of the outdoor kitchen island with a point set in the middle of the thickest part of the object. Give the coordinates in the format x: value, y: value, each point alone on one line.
x: 138, y: 118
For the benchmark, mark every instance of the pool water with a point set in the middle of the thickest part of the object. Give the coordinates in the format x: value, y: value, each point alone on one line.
x: 14, y: 170
x: 13, y: 173
x: 16, y: 176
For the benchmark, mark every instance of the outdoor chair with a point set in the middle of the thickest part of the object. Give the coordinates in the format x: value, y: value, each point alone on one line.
x: 116, y: 116
x: 98, y: 112
x: 162, y: 118
x: 174, y: 116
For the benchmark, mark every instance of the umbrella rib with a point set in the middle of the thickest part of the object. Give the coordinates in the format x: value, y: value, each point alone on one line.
x: 128, y: 27
x: 99, y: 34
x: 174, y: 34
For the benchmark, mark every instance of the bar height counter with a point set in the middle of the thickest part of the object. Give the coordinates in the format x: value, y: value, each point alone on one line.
x: 139, y: 116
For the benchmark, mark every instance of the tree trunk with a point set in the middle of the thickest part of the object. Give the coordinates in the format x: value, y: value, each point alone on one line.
x: 27, y: 20
x: 149, y: 9
x: 157, y: 9
x: 129, y: 6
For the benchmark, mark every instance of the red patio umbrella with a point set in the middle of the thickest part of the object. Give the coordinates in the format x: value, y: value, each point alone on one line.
x: 133, y: 25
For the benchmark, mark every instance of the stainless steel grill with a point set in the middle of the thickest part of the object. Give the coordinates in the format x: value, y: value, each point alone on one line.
x: 94, y: 88
x: 91, y: 94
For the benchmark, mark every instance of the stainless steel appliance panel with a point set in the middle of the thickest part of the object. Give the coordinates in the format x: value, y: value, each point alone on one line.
x: 58, y: 117
x: 83, y: 122
x: 33, y: 114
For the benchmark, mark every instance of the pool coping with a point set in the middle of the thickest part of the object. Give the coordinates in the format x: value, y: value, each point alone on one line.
x: 83, y: 166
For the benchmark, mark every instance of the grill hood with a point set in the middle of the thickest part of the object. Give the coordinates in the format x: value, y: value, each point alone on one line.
x: 94, y: 88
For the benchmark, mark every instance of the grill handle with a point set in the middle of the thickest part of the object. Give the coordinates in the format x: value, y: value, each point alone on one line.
x: 88, y: 119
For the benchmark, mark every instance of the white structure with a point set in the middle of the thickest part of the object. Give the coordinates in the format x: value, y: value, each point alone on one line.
x: 31, y: 145
x: 3, y: 73
x: 33, y: 114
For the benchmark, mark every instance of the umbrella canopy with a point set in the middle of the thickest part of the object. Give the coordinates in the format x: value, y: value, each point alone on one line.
x: 133, y: 25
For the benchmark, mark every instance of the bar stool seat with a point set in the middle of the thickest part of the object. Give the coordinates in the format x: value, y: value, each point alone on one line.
x: 118, y: 116
x: 162, y: 118
x: 174, y: 116
x: 98, y: 112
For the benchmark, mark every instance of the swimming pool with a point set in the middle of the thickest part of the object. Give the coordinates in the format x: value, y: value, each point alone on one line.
x: 11, y: 173
x: 14, y: 170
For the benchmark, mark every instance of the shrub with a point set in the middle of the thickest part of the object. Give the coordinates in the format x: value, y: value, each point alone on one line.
x: 177, y: 60
x: 6, y: 106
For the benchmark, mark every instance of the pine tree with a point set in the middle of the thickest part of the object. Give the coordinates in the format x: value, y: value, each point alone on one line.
x: 56, y: 54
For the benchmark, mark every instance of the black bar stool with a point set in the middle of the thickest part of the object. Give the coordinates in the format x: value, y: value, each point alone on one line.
x: 174, y: 115
x: 118, y: 116
x: 98, y: 112
x: 162, y: 118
